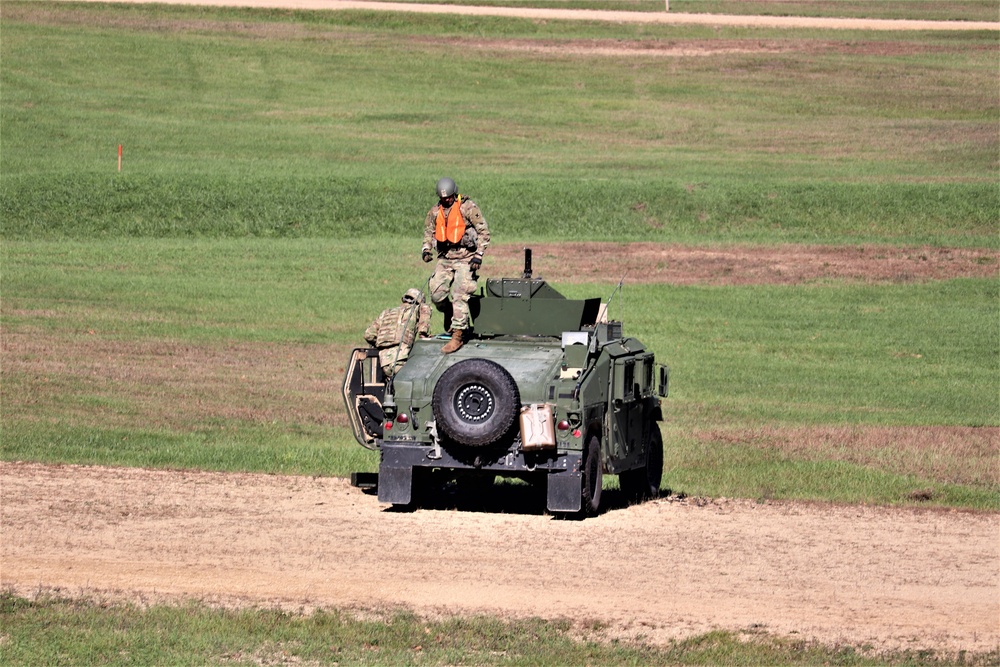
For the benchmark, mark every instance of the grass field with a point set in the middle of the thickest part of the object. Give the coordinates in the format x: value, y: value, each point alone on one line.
x: 64, y: 631
x: 244, y: 127
x: 953, y: 10
x: 286, y: 129
x: 194, y: 309
x: 226, y: 354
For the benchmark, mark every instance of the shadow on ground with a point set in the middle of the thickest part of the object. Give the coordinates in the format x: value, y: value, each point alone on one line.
x: 440, y: 491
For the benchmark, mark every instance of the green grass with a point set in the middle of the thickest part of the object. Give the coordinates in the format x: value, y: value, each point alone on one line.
x: 834, y: 354
x: 891, y: 360
x: 270, y: 124
x: 307, y: 206
x: 916, y: 354
x: 194, y: 309
x: 53, y: 631
x: 277, y: 167
x: 283, y: 448
x: 714, y: 470
x: 953, y: 10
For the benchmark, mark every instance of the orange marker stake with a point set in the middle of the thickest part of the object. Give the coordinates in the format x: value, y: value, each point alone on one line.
x: 119, y: 157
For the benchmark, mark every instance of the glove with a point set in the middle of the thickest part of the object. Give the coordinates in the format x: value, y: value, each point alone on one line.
x: 475, y: 263
x: 426, y: 256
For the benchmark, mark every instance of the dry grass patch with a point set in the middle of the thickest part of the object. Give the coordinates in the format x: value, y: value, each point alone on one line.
x: 139, y: 23
x: 672, y: 48
x: 946, y: 454
x: 742, y: 265
x: 89, y: 380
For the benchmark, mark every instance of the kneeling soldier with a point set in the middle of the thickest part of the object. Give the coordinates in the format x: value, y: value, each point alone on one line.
x: 394, y: 331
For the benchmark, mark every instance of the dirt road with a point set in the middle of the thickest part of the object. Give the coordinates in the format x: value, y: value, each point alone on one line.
x: 891, y: 578
x: 676, y: 18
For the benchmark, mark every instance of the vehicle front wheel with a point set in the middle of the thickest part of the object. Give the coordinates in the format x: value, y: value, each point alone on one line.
x: 593, y: 478
x: 654, y: 462
x: 642, y: 483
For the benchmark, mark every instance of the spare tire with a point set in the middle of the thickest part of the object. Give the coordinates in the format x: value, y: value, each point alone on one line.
x: 476, y: 402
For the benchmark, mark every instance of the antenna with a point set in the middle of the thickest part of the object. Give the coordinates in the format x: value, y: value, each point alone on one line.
x: 616, y: 290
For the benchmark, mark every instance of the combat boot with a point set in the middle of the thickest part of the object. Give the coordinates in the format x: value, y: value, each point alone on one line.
x: 454, y: 343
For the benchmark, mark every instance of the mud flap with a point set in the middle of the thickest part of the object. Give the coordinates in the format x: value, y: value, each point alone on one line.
x: 564, y: 491
x: 364, y: 480
x: 395, y: 485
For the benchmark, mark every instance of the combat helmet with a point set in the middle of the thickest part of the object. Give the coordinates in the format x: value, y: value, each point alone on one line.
x: 413, y: 295
x: 445, y: 188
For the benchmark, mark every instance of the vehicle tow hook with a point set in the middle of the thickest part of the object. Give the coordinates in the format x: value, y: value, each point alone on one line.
x: 435, y: 453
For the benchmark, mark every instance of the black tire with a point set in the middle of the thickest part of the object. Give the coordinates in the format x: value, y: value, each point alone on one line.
x: 631, y: 482
x: 642, y: 483
x: 654, y: 462
x: 593, y: 478
x: 476, y: 402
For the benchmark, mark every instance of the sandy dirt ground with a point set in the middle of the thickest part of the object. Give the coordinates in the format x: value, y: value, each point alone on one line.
x: 878, y: 577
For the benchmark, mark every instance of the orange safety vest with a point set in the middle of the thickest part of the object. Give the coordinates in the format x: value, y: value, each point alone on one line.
x: 451, y: 229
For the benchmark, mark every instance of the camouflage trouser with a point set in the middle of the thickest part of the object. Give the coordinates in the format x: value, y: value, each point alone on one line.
x: 451, y: 286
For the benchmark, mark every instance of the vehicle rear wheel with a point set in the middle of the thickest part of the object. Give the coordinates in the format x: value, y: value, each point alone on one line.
x: 593, y: 478
x: 476, y: 402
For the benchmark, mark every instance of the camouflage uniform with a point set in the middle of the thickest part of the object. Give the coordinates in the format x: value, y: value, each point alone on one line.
x: 454, y: 280
x: 394, y: 331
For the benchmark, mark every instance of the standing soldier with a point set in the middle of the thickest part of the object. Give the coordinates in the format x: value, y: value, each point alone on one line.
x: 456, y: 230
x: 394, y: 331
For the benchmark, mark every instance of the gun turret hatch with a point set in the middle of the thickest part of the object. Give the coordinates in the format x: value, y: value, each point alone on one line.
x: 529, y: 307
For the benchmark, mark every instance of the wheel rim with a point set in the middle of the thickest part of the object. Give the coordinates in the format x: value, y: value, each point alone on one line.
x: 474, y: 403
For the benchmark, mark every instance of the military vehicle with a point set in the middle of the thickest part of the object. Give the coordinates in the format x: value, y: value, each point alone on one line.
x: 545, y: 389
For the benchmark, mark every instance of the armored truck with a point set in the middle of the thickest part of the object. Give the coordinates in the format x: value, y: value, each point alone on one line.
x: 546, y: 389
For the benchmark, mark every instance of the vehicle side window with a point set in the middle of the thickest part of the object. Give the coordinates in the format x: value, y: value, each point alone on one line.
x: 628, y: 379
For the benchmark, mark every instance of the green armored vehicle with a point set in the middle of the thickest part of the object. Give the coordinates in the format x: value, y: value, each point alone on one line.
x: 544, y: 389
